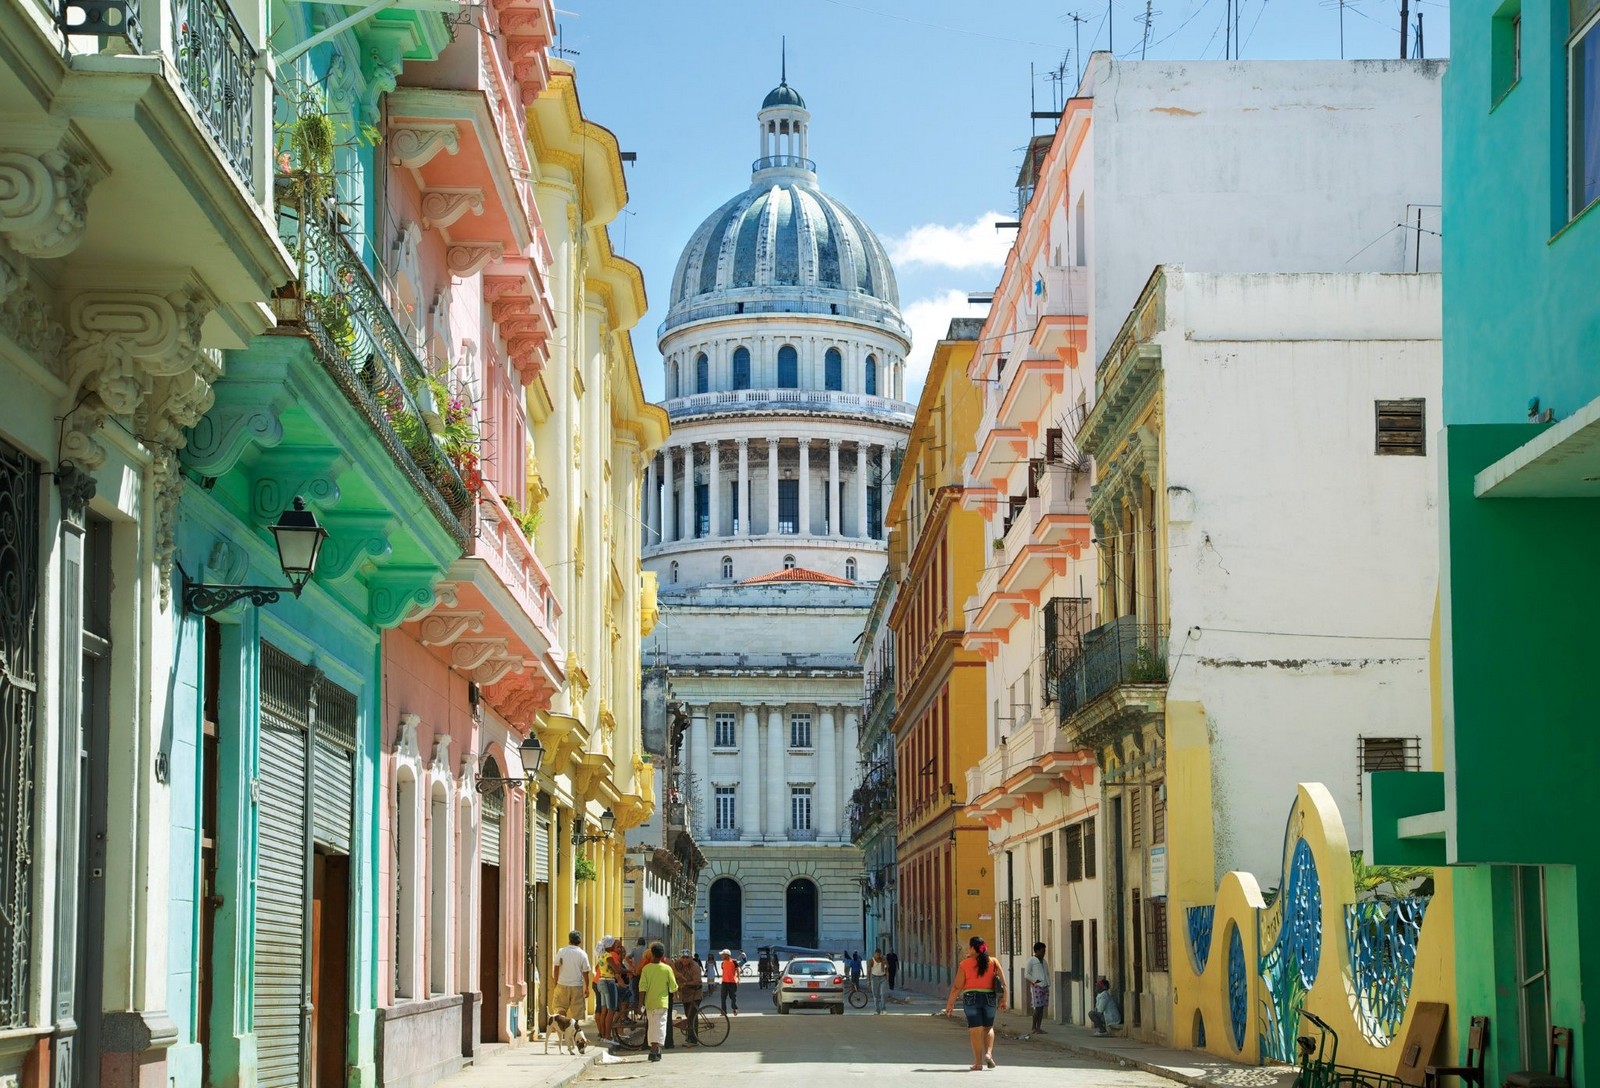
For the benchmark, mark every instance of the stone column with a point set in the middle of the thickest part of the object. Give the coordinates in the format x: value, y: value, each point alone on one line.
x: 686, y: 525
x: 714, y: 486
x: 750, y: 776
x: 776, y: 793
x: 652, y: 505
x: 772, y: 487
x: 700, y: 772
x: 834, y: 527
x: 884, y: 484
x: 805, y: 487
x: 827, y: 824
x: 743, y: 505
x: 861, y: 489
x: 669, y: 512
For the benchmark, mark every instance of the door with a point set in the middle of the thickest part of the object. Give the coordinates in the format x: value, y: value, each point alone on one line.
x: 1138, y: 955
x: 330, y: 969
x: 489, y: 954
x: 800, y: 903
x: 726, y: 908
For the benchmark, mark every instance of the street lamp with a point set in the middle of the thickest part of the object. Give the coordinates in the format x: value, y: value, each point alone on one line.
x: 299, y: 539
x: 531, y: 752
x: 608, y: 824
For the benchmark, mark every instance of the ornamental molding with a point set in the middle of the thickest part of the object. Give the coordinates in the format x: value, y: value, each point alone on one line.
x: 496, y: 669
x: 439, y: 764
x: 468, y: 653
x: 44, y: 202
x: 406, y: 743
x: 448, y: 628
x: 442, y: 207
x: 394, y: 593
x: 353, y: 538
x: 415, y: 146
x: 25, y: 317
x: 469, y: 258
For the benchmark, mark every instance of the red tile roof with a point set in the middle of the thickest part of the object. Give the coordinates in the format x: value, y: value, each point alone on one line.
x: 797, y: 574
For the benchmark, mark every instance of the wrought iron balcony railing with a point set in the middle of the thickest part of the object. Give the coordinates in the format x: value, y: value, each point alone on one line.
x: 363, y: 350
x: 1120, y: 652
x: 217, y: 65
x: 724, y: 834
x: 803, y: 834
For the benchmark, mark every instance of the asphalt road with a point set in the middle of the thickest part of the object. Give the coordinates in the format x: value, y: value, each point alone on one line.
x: 813, y: 1049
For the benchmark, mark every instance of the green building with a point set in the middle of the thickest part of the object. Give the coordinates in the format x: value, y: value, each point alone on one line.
x: 1520, y: 513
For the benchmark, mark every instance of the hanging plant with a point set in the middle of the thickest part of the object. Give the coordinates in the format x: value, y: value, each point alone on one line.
x: 583, y: 868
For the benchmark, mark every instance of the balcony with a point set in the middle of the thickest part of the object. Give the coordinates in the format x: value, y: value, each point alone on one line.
x: 789, y: 401
x: 782, y: 162
x: 873, y: 801
x: 724, y: 834
x: 802, y: 834
x: 1050, y: 527
x: 1035, y: 760
x: 1118, y: 678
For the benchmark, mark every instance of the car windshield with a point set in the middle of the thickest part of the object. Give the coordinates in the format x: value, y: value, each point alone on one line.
x: 810, y: 967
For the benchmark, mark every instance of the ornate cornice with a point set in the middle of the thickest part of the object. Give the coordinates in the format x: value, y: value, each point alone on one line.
x: 44, y: 202
x: 24, y: 316
x: 469, y: 258
x: 442, y: 207
x: 415, y: 146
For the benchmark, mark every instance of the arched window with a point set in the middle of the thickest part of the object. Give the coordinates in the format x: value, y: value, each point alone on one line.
x: 871, y: 385
x: 702, y: 374
x: 741, y: 368
x: 833, y: 369
x: 788, y: 562
x: 850, y: 569
x: 788, y: 368
x: 672, y: 572
x: 727, y: 567
x: 407, y: 881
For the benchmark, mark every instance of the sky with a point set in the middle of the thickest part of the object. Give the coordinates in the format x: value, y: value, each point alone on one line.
x: 919, y: 111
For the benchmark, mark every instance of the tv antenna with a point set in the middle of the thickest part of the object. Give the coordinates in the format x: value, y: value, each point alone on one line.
x: 561, y: 49
x: 1147, y: 18
x: 1077, y: 46
x: 1341, y: 5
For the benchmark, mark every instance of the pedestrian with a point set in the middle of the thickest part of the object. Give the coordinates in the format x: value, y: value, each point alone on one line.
x: 1105, y: 1013
x: 657, y: 984
x: 853, y: 969
x: 607, y: 988
x: 570, y: 968
x: 691, y: 989
x: 893, y: 960
x: 730, y: 982
x: 982, y: 986
x: 878, y: 979
x: 1037, y: 975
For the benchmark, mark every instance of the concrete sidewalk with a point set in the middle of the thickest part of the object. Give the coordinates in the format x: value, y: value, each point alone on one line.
x: 525, y: 1066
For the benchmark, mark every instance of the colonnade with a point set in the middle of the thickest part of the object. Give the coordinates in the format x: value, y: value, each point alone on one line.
x: 763, y: 765
x: 669, y: 493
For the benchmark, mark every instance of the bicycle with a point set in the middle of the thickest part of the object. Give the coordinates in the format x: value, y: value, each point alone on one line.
x: 711, y: 1029
x: 857, y: 997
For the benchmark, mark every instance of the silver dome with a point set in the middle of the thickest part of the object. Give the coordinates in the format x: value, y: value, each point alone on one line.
x: 784, y: 246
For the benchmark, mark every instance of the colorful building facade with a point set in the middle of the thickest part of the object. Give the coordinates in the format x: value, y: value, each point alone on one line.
x: 873, y: 803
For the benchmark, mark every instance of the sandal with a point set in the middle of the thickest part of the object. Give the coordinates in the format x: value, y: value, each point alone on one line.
x: 988, y: 1061
x: 974, y: 1069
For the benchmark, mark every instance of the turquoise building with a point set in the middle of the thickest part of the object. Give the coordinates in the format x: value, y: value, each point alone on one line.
x: 1520, y: 514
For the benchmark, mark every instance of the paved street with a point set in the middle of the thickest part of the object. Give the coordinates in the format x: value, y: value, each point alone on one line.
x: 813, y: 1048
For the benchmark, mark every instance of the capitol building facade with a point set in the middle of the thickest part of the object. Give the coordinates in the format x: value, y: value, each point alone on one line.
x: 784, y: 354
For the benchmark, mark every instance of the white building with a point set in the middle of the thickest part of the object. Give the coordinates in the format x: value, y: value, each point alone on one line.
x: 784, y: 353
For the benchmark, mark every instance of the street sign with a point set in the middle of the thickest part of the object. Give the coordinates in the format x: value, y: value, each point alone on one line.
x: 964, y: 925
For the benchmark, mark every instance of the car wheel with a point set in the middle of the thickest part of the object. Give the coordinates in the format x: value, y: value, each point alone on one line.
x: 783, y: 1009
x: 837, y: 1010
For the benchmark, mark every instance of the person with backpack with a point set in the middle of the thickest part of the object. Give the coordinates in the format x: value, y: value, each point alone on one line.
x: 981, y: 986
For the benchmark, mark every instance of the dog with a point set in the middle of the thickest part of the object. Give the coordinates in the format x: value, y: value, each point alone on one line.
x: 567, y: 1034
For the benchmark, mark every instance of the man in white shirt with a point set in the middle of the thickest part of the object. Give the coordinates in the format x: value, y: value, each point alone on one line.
x: 570, y: 994
x: 1037, y: 976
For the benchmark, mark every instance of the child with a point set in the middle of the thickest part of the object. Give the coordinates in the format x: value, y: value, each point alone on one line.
x: 657, y: 984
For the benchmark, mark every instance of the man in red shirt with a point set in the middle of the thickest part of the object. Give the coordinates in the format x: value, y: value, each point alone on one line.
x: 730, y: 981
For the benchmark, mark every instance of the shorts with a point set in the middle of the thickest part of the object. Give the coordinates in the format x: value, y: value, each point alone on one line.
x: 568, y: 1000
x: 980, y: 1008
x: 606, y: 994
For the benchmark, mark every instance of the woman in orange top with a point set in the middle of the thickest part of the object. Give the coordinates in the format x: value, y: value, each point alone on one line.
x: 982, y: 986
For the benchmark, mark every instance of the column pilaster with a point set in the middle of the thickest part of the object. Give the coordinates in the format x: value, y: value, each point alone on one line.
x: 834, y: 527
x: 686, y: 524
x: 750, y: 775
x: 775, y: 792
x: 772, y: 486
x: 805, y: 487
x: 669, y: 511
x: 827, y: 777
x: 861, y: 489
x: 700, y: 768
x: 714, y: 485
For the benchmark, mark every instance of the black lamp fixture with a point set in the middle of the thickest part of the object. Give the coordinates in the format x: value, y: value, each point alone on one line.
x: 531, y: 753
x: 608, y: 824
x: 300, y: 541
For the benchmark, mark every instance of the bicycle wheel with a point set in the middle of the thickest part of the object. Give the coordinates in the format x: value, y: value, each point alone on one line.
x: 858, y: 999
x: 632, y: 1035
x: 712, y: 1026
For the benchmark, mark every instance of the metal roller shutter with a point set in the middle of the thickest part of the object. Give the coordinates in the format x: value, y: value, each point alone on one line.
x: 333, y: 776
x: 280, y: 936
x: 541, y: 851
x: 494, y: 806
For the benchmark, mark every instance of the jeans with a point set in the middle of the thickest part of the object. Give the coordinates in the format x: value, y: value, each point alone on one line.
x: 1099, y: 1021
x: 879, y: 986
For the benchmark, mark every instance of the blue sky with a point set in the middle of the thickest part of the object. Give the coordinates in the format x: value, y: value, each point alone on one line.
x: 919, y: 110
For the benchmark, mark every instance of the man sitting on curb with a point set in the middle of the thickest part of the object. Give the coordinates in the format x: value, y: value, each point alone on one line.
x: 1105, y: 1013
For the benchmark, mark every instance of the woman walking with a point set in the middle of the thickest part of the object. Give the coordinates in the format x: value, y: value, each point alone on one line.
x: 982, y: 986
x: 878, y: 978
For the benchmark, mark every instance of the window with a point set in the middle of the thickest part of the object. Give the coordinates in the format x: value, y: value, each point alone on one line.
x: 741, y: 368
x: 727, y: 568
x: 1048, y: 860
x: 1155, y: 933
x: 1533, y: 952
x: 800, y: 808
x: 1033, y: 922
x: 871, y: 383
x: 1075, y: 949
x: 1088, y: 848
x: 672, y: 572
x: 1158, y: 813
x: 1505, y: 50
x: 800, y: 731
x: 850, y: 569
x: 788, y: 507
x: 1073, y: 845
x: 1401, y: 427
x: 702, y: 509
x: 1136, y: 817
x: 1386, y: 754
x: 727, y: 798
x: 702, y: 373
x: 788, y: 368
x: 788, y: 562
x: 733, y: 504
x: 1583, y: 52
x: 833, y: 369
x: 723, y: 736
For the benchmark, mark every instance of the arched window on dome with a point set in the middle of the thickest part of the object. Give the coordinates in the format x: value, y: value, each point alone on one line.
x: 727, y: 568
x: 788, y: 368
x: 672, y: 572
x: 702, y: 373
x: 871, y: 385
x: 833, y: 369
x: 741, y: 368
x: 850, y: 569
x: 788, y: 562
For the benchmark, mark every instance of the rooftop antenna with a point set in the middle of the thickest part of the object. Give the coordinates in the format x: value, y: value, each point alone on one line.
x: 1342, y: 4
x: 1111, y: 31
x: 1146, y: 19
x: 561, y: 50
x: 783, y: 60
x: 1077, y: 46
x: 1405, y: 19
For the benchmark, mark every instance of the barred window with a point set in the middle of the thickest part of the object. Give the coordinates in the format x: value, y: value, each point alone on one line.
x: 1135, y: 817
x: 727, y: 807
x: 800, y: 808
x: 1158, y: 813
x: 800, y: 731
x: 1074, y: 848
x: 1033, y: 921
x: 1155, y: 929
x: 725, y: 734
x: 1048, y: 860
x: 1088, y: 848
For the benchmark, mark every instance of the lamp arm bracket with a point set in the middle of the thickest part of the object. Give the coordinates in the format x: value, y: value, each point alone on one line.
x: 204, y: 600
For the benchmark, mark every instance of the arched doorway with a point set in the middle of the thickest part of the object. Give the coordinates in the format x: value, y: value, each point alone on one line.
x: 727, y: 914
x: 800, y: 913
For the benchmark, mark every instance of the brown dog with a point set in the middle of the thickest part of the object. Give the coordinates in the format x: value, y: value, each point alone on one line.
x: 567, y: 1034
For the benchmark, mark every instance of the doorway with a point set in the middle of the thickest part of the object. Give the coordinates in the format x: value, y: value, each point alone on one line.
x: 800, y: 911
x: 94, y: 739
x: 489, y: 954
x: 330, y: 968
x: 727, y: 913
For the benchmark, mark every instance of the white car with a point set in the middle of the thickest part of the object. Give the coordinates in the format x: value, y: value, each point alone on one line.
x: 810, y: 982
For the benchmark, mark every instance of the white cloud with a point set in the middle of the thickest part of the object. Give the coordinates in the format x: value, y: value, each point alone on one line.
x: 974, y: 245
x: 929, y: 319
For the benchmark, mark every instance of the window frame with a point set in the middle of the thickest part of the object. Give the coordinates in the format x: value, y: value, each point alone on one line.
x: 797, y: 718
x: 791, y: 360
x: 833, y: 370
x: 721, y: 741
x: 1587, y: 28
x: 702, y: 373
x: 798, y: 794
x: 869, y: 382
x: 730, y: 794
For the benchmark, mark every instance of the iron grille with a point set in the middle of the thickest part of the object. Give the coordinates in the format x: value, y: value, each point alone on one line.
x: 1064, y: 619
x: 336, y: 716
x: 1155, y: 930
x: 1401, y: 427
x: 19, y: 689
x: 1386, y: 754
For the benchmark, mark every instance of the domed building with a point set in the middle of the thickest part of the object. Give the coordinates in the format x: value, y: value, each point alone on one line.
x: 784, y: 352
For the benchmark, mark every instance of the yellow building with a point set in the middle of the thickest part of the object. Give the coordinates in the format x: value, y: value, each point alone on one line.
x: 945, y: 879
x: 593, y: 431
